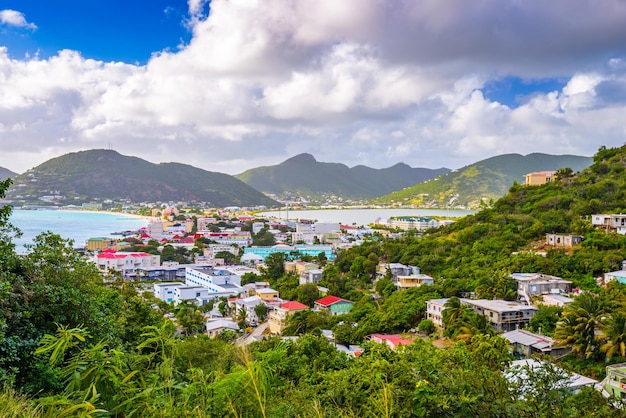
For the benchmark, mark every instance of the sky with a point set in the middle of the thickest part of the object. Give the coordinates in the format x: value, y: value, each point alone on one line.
x: 229, y: 85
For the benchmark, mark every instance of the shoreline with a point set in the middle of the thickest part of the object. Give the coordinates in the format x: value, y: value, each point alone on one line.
x: 102, y: 212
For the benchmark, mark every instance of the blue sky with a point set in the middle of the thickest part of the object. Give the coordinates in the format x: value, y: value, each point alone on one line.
x: 112, y: 30
x: 246, y: 83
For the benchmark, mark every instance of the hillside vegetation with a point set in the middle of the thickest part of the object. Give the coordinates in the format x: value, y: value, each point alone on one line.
x: 482, y: 181
x: 105, y: 174
x: 302, y: 175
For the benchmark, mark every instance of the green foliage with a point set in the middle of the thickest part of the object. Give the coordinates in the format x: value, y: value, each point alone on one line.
x: 86, y: 176
x: 545, y: 319
x: 486, y: 179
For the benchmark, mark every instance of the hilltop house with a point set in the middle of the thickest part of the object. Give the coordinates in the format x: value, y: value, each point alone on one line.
x: 503, y: 315
x: 563, y: 241
x: 414, y: 280
x: 531, y: 284
x: 334, y: 305
x: 537, y: 178
x: 610, y: 223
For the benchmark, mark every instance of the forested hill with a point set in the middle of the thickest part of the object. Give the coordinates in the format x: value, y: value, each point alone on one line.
x: 484, y: 180
x: 303, y: 175
x: 6, y: 173
x: 477, y: 246
x: 105, y: 174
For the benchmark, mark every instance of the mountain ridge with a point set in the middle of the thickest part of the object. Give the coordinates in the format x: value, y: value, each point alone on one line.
x: 484, y: 180
x: 303, y: 174
x: 105, y: 174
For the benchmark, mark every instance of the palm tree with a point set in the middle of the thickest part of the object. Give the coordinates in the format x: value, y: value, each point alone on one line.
x: 453, y: 310
x: 614, y: 328
x: 577, y: 328
x: 474, y: 324
x: 242, y: 316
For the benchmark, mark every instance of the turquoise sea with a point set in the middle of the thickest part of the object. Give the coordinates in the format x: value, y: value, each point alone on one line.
x: 77, y: 226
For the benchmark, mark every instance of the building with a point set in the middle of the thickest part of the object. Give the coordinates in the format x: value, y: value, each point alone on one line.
x: 248, y: 304
x: 267, y: 294
x: 334, y: 305
x: 299, y: 266
x: 531, y: 284
x: 615, y: 381
x: 279, y: 316
x: 503, y: 315
x: 563, y: 241
x: 165, y: 291
x: 409, y: 223
x: 618, y: 276
x: 126, y: 263
x: 100, y: 244
x: 556, y: 300
x: 311, y: 276
x: 537, y: 178
x: 393, y: 341
x: 215, y: 280
x: 192, y: 293
x: 215, y: 327
x: 520, y: 371
x: 295, y: 250
x: 434, y: 308
x: 526, y: 343
x: 414, y: 280
x: 610, y: 223
x: 395, y: 269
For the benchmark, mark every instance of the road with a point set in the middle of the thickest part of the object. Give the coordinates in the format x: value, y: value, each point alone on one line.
x: 257, y: 332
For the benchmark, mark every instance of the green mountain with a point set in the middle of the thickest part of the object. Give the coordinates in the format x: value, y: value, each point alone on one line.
x: 485, y: 180
x: 6, y: 173
x: 504, y: 236
x: 303, y: 175
x: 105, y: 174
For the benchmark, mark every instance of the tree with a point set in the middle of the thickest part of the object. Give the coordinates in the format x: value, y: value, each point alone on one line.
x: 261, y: 311
x: 452, y: 312
x: 274, y: 266
x: 614, y: 329
x: 307, y: 294
x: 189, y: 317
x: 242, y: 317
x: 472, y: 324
x: 545, y: 319
x: 577, y: 327
x: 427, y: 326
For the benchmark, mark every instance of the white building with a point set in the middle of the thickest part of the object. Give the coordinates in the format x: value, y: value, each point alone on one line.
x: 530, y: 284
x: 166, y: 291
x: 126, y: 263
x: 610, y: 223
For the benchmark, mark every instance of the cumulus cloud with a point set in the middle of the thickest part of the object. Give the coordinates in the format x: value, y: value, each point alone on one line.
x: 370, y: 82
x: 14, y: 18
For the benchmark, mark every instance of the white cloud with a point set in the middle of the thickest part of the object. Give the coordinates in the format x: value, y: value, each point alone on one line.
x: 14, y: 18
x: 361, y: 82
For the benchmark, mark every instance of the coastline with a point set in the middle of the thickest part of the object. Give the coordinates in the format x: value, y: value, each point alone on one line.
x: 103, y: 212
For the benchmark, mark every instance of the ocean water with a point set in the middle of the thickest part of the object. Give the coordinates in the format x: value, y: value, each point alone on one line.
x: 77, y: 226
x: 361, y: 217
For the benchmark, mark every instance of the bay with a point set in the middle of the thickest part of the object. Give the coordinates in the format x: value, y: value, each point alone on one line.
x: 362, y: 217
x: 75, y: 225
